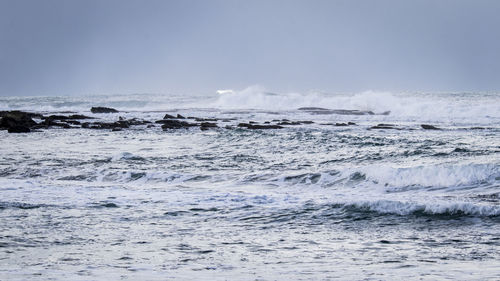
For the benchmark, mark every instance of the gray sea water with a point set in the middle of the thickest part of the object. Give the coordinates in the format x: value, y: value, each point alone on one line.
x: 307, y: 202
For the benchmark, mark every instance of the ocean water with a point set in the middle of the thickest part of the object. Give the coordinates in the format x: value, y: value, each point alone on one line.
x: 306, y: 202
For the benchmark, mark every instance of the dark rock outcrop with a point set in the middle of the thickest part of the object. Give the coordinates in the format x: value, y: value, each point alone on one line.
x: 312, y: 108
x: 175, y: 124
x: 207, y: 125
x: 17, y: 121
x: 79, y: 116
x: 168, y: 116
x: 197, y: 119
x: 253, y: 127
x: 287, y: 123
x: 384, y: 126
x: 429, y: 127
x: 19, y: 129
x: 321, y: 110
x: 16, y: 114
x: 100, y: 109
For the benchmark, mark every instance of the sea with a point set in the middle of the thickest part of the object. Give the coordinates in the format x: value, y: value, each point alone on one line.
x: 379, y: 198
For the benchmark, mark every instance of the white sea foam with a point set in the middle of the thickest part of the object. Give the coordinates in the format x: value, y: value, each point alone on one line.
x: 389, y: 178
x: 412, y: 107
x: 434, y: 176
x: 431, y: 208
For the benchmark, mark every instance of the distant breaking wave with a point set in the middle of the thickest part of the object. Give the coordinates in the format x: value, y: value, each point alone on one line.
x: 421, y: 107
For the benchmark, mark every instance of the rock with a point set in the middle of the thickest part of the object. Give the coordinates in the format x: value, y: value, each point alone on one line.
x: 351, y: 123
x: 312, y: 108
x: 429, y: 127
x: 206, y: 125
x: 51, y: 123
x: 205, y: 119
x: 384, y: 126
x: 73, y: 122
x: 168, y: 116
x: 79, y: 116
x: 289, y: 123
x: 103, y: 125
x: 16, y: 120
x: 56, y: 117
x: 306, y: 122
x: 321, y: 110
x: 341, y: 124
x: 121, y: 124
x: 103, y: 110
x: 18, y: 115
x: 64, y: 118
x: 19, y: 129
x: 253, y: 127
x: 180, y: 116
x: 175, y: 124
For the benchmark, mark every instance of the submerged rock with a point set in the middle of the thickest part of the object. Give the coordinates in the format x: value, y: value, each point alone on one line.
x: 100, y: 109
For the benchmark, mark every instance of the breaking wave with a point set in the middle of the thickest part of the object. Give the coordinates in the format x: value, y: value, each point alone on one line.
x: 438, y: 208
x: 392, y: 179
x: 414, y: 107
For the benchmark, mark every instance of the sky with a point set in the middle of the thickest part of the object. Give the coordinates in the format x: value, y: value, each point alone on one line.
x: 75, y: 47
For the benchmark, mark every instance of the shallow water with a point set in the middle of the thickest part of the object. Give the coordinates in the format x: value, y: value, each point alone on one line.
x: 305, y: 202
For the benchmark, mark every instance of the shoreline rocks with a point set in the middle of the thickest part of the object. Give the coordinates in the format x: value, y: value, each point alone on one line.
x: 256, y: 126
x: 101, y: 109
x: 22, y: 122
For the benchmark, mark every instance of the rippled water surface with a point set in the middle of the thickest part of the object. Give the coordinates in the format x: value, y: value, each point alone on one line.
x: 312, y: 201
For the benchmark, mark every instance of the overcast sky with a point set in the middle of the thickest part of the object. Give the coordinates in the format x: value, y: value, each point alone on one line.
x: 55, y: 47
